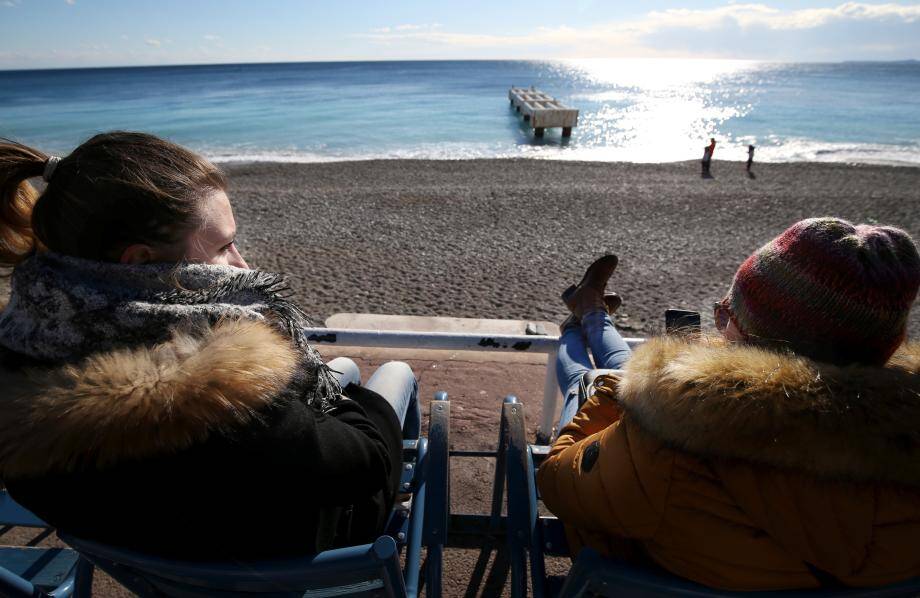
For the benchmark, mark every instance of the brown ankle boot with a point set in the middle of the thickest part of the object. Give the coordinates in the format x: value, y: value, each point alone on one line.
x: 588, y: 295
x: 570, y: 322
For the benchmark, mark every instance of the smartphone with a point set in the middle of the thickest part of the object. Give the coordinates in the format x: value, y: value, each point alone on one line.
x: 682, y: 322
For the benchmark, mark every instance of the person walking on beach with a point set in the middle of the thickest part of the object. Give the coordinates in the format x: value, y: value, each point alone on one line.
x: 707, y: 156
x: 783, y: 454
x: 161, y: 395
x: 750, y: 160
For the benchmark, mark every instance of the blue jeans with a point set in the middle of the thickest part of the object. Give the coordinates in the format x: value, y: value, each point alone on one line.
x: 395, y: 382
x: 608, y: 347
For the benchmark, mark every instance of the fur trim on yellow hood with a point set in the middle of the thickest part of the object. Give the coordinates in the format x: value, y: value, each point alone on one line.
x: 131, y: 404
x: 736, y: 402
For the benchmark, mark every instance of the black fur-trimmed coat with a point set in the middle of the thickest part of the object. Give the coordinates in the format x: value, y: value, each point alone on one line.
x: 199, y: 447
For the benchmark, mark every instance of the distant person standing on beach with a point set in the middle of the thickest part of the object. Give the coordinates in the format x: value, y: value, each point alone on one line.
x: 166, y: 396
x: 750, y: 159
x: 707, y: 155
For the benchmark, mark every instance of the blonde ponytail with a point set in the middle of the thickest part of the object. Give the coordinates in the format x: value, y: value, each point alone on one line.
x: 18, y: 163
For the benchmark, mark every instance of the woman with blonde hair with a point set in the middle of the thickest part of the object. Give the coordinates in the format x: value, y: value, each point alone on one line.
x: 159, y: 394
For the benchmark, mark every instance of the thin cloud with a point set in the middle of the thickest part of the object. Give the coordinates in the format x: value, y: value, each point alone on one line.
x: 10, y: 3
x: 71, y: 2
x: 411, y: 27
x: 406, y: 28
x: 630, y: 36
x: 761, y: 15
x: 211, y: 37
x: 155, y: 43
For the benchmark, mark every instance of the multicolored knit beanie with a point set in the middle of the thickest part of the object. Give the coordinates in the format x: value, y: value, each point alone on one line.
x: 829, y: 290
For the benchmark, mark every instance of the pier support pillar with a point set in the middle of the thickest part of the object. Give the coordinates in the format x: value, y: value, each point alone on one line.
x: 526, y: 117
x: 566, y: 131
x: 538, y: 132
x: 517, y: 108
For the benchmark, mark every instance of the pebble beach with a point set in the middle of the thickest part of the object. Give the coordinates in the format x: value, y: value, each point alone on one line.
x: 501, y: 238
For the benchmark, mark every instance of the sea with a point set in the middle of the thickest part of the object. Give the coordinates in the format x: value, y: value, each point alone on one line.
x: 648, y: 110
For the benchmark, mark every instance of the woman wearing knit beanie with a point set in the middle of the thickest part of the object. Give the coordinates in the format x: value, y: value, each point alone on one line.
x: 785, y: 454
x: 827, y: 289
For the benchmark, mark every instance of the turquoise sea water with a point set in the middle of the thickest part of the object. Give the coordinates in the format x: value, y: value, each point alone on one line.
x: 631, y: 110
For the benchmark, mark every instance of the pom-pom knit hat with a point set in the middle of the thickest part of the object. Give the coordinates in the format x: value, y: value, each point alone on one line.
x: 829, y: 290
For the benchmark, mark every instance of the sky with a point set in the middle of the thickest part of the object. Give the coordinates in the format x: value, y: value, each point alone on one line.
x: 88, y: 33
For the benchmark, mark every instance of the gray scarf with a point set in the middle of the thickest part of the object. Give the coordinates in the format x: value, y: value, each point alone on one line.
x: 62, y: 309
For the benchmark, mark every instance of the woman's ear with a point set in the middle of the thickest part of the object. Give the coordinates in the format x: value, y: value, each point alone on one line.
x: 137, y: 254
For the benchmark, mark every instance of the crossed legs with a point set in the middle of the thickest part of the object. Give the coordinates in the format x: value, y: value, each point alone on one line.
x: 610, y: 351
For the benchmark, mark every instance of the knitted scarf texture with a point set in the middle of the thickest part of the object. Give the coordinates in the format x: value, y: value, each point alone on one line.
x: 63, y: 309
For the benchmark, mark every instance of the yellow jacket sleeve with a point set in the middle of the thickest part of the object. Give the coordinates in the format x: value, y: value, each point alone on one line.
x: 603, y: 475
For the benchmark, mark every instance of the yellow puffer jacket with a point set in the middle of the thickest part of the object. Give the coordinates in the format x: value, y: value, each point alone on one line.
x: 746, y: 469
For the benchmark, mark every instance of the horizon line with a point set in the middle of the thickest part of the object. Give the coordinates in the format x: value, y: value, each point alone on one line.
x: 352, y: 61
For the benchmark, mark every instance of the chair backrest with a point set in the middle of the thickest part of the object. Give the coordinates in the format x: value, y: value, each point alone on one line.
x: 592, y: 574
x: 368, y: 570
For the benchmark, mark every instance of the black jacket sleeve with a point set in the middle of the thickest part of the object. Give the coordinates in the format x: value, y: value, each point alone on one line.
x: 353, y: 454
x: 350, y: 452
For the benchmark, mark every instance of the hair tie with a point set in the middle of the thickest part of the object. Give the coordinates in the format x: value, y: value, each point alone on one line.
x: 50, y: 165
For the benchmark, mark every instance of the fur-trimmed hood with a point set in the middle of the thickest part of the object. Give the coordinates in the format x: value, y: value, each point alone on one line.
x: 135, y: 403
x: 735, y: 402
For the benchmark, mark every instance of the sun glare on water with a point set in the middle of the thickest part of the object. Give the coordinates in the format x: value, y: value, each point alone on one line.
x: 655, y: 110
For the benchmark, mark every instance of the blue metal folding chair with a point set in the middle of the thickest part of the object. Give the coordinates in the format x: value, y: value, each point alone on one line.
x: 367, y: 570
x: 594, y: 575
x: 532, y: 537
x: 27, y: 571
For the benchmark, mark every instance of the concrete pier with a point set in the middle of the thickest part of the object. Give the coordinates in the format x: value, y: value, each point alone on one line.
x: 543, y: 111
